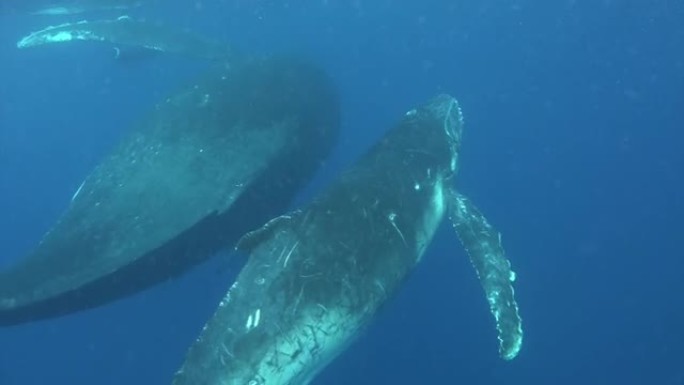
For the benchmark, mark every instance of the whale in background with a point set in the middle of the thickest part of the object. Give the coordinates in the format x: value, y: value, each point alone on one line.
x: 316, y: 277
x: 127, y: 32
x: 69, y: 7
x: 209, y: 163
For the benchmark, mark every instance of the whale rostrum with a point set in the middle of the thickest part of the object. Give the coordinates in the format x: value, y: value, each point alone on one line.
x: 209, y: 163
x: 317, y: 276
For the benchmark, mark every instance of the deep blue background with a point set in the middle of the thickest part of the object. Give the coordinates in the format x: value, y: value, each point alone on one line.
x: 573, y: 149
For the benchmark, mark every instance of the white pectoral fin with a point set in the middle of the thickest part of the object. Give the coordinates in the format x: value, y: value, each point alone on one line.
x: 483, y: 244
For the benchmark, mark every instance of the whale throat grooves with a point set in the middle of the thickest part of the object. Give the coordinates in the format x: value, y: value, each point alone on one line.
x: 483, y: 245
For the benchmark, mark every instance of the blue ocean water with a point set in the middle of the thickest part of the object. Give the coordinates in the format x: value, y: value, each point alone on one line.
x: 574, y: 113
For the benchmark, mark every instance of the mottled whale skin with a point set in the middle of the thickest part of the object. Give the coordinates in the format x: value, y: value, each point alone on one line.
x: 211, y: 162
x: 318, y: 276
x: 127, y: 32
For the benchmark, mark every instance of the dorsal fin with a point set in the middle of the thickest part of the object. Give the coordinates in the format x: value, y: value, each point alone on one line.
x: 253, y: 238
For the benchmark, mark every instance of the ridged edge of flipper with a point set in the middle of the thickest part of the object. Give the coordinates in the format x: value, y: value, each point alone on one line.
x: 483, y: 245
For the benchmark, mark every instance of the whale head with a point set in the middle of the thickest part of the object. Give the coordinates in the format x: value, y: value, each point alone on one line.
x: 441, y: 119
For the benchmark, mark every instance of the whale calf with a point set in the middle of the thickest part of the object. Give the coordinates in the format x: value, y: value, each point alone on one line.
x: 317, y: 276
x: 209, y: 163
x: 127, y: 32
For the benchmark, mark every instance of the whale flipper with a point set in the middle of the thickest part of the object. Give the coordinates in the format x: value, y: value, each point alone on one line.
x: 125, y: 31
x: 211, y: 162
x: 483, y: 244
x: 314, y: 279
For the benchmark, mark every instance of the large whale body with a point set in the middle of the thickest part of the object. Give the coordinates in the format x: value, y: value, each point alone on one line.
x: 209, y: 163
x: 318, y: 276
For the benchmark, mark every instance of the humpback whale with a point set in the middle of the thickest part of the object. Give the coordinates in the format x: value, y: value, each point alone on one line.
x: 211, y: 162
x: 317, y: 276
x: 127, y: 32
x: 59, y: 8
